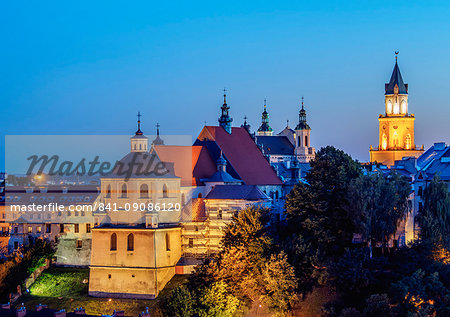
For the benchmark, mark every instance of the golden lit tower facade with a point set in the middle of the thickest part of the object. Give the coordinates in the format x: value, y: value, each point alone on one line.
x: 396, y: 126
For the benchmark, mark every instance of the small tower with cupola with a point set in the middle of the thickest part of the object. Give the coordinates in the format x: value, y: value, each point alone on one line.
x: 139, y: 142
x: 225, y: 119
x: 265, y: 128
x: 303, y: 149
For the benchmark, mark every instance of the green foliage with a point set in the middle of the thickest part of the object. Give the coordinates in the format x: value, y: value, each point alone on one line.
x: 434, y: 219
x: 280, y: 284
x: 56, y: 282
x: 379, y: 204
x: 182, y: 302
x: 320, y: 224
x: 351, y: 273
x: 421, y: 294
x: 217, y: 301
x: 19, y: 265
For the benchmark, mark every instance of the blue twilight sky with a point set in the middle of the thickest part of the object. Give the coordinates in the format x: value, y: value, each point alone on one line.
x: 87, y: 67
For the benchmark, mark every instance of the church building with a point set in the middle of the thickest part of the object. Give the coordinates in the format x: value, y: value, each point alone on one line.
x: 396, y: 125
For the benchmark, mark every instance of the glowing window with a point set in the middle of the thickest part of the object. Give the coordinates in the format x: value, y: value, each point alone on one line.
x: 384, y: 142
x: 403, y: 107
x: 408, y: 142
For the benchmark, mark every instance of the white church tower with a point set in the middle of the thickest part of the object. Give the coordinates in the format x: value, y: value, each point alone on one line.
x: 139, y: 142
x: 303, y: 149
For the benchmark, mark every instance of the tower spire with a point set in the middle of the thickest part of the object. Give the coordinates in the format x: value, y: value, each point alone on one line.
x: 225, y: 119
x: 157, y: 140
x: 265, y: 128
x: 139, y: 132
x: 302, y: 125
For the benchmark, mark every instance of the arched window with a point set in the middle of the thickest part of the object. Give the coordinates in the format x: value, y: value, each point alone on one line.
x: 199, y: 195
x: 408, y: 142
x: 124, y: 191
x: 165, y: 191
x: 219, y: 214
x: 395, y: 139
x: 306, y: 140
x: 183, y: 199
x: 108, y: 191
x: 113, y: 242
x: 140, y: 146
x: 167, y: 242
x: 135, y: 146
x: 403, y: 107
x: 299, y: 141
x: 396, y: 108
x: 384, y: 142
x: 389, y: 107
x: 130, y: 242
x: 144, y: 191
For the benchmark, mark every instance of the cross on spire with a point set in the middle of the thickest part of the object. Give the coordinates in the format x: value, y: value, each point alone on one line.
x: 302, y: 103
x: 265, y: 100
x: 224, y: 95
x: 139, y: 132
x: 396, y: 55
x: 157, y: 128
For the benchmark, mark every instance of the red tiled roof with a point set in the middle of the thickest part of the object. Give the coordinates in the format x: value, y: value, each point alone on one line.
x: 191, y: 163
x: 242, y: 154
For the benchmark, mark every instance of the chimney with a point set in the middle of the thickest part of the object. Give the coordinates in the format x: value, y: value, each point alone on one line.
x: 61, y: 313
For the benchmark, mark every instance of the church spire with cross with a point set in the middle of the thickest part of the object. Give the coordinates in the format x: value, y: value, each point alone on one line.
x: 139, y: 141
x: 225, y: 119
x: 246, y: 125
x: 158, y: 140
x: 302, y: 124
x: 265, y: 128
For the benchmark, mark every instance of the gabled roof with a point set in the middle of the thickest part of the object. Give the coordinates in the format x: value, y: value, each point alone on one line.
x: 275, y: 145
x: 191, y: 163
x: 396, y: 79
x: 242, y: 192
x: 245, y: 160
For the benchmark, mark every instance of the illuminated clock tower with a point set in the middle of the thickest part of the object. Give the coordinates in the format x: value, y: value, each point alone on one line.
x: 396, y: 126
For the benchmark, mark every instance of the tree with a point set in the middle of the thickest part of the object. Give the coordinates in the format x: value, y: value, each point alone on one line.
x: 280, y: 283
x: 434, y: 218
x: 320, y: 224
x: 181, y: 303
x: 218, y: 302
x: 378, y: 305
x: 379, y: 203
x: 422, y: 295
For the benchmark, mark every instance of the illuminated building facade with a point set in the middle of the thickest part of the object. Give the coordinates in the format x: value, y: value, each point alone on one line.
x: 396, y: 125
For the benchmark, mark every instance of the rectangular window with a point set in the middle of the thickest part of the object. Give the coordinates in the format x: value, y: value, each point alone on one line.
x: 88, y: 227
x: 48, y: 228
x: 39, y: 229
x: 420, y: 207
x: 79, y: 244
x: 16, y: 229
x: 61, y: 228
x: 30, y: 229
x: 16, y: 245
x: 419, y: 193
x: 77, y: 228
x: 191, y: 242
